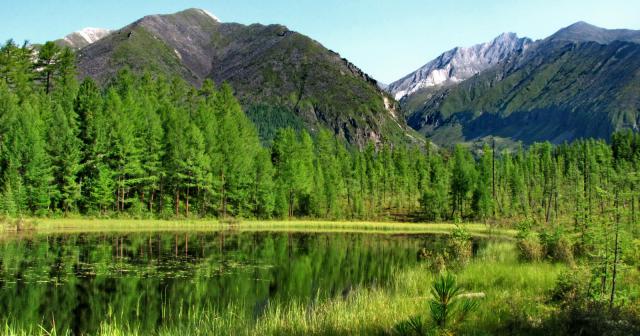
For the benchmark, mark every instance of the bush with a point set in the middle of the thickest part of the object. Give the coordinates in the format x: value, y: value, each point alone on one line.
x: 530, y: 248
x: 570, y: 287
x: 459, y: 247
x: 558, y: 247
x: 563, y: 251
x: 592, y: 318
x: 436, y: 261
x: 632, y: 257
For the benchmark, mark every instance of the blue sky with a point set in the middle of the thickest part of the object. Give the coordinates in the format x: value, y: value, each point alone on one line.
x: 387, y: 39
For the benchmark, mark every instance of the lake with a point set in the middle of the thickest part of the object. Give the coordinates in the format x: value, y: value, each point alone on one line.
x: 154, y: 279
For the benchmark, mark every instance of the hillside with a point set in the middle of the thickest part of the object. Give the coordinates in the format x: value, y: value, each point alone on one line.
x: 281, y: 77
x: 559, y: 89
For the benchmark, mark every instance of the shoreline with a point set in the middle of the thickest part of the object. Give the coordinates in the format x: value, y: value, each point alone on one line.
x: 81, y: 225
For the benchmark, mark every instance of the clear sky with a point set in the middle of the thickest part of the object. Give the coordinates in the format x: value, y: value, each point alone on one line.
x: 387, y: 39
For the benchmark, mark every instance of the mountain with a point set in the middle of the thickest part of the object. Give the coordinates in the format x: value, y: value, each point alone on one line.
x: 583, y: 81
x: 458, y: 64
x: 584, y: 32
x: 281, y: 77
x: 83, y: 38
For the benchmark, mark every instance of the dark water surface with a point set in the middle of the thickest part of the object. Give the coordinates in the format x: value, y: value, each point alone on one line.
x: 151, y: 279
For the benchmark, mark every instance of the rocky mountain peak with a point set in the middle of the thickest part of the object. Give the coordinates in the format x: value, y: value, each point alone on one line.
x: 459, y: 64
x: 83, y: 37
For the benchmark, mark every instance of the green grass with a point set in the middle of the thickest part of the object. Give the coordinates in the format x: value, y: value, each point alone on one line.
x: 510, y: 287
x: 69, y: 225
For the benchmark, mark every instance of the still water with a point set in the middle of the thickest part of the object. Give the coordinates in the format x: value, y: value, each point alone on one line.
x: 151, y: 279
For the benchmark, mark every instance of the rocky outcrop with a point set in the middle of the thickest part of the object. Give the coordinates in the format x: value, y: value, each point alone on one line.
x: 83, y: 38
x: 459, y: 64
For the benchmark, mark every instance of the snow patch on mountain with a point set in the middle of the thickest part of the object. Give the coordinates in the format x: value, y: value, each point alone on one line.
x: 206, y: 12
x: 93, y: 34
x: 85, y: 36
x: 459, y: 64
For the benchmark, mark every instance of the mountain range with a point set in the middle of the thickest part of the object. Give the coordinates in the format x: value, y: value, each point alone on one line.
x: 582, y: 81
x: 281, y: 77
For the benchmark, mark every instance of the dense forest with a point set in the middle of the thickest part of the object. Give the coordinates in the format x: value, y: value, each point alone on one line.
x: 147, y: 146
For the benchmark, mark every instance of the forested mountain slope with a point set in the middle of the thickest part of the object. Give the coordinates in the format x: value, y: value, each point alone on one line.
x: 581, y: 82
x: 281, y: 77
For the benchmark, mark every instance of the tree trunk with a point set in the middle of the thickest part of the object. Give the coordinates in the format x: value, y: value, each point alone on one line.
x: 223, y: 204
x: 177, y: 202
x: 615, y: 254
x: 187, y: 202
x: 153, y: 193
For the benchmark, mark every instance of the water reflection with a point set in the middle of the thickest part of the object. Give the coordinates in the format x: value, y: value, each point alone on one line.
x: 150, y: 279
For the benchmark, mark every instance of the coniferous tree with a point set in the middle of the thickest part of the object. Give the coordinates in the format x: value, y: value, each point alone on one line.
x: 462, y: 179
x: 65, y: 152
x: 482, y: 198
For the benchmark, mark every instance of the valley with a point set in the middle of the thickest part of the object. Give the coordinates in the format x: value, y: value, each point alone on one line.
x: 184, y: 175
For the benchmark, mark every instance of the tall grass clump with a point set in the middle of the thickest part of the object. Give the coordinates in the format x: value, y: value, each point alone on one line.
x: 528, y: 242
x: 558, y: 246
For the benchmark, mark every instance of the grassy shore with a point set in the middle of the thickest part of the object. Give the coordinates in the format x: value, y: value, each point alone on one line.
x: 512, y: 290
x: 70, y: 225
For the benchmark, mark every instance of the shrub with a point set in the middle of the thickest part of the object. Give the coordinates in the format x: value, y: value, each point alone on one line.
x: 632, y: 257
x: 530, y: 248
x: 436, y: 261
x: 569, y: 287
x: 459, y: 247
x: 592, y: 318
x: 557, y: 246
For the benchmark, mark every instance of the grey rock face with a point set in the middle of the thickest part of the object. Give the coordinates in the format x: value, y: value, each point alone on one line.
x: 459, y: 64
x: 83, y: 38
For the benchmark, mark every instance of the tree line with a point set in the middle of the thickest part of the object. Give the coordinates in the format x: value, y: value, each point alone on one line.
x: 147, y: 146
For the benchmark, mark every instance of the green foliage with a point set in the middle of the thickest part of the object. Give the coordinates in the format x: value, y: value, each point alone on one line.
x: 459, y: 247
x: 149, y: 146
x: 414, y: 326
x: 557, y: 246
x: 449, y: 306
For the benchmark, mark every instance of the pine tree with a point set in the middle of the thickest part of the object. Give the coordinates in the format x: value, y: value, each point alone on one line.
x: 29, y: 168
x: 16, y: 68
x: 293, y: 159
x: 263, y: 187
x: 65, y: 152
x: 482, y: 195
x: 102, y: 189
x: 46, y: 64
x: 125, y: 152
x: 238, y: 147
x: 462, y: 179
x: 435, y: 198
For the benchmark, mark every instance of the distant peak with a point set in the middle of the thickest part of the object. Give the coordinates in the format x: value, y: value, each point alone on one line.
x: 581, y: 24
x: 202, y: 12
x: 85, y: 36
x: 507, y: 36
x: 585, y: 32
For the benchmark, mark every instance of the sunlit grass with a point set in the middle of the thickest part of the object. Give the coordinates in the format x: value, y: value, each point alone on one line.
x: 70, y: 225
